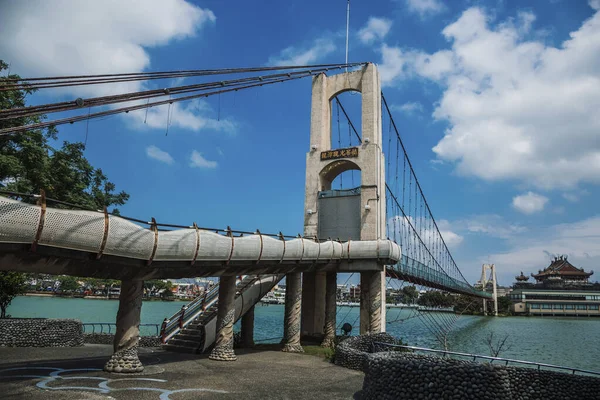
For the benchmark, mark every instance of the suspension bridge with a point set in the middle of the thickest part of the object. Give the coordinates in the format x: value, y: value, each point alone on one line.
x: 382, y: 229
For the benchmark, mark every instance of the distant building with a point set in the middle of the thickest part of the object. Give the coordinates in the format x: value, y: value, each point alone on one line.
x: 559, y: 290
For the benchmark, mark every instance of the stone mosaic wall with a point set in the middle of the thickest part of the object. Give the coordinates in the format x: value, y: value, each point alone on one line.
x: 40, y: 332
x: 353, y: 352
x: 394, y: 375
x: 108, y: 338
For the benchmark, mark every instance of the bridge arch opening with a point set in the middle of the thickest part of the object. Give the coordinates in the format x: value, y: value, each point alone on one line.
x: 332, y: 174
x: 346, y: 132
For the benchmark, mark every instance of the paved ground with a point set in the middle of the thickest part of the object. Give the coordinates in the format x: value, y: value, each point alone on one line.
x: 76, y: 373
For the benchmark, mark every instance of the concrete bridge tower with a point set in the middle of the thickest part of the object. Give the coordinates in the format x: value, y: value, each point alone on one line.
x: 356, y: 215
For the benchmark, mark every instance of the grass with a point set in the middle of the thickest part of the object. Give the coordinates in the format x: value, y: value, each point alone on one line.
x: 318, y: 351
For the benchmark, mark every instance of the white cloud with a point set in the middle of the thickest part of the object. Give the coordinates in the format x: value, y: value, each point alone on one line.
x: 491, y: 225
x: 451, y: 238
x: 158, y: 154
x: 193, y: 115
x: 409, y: 108
x: 392, y: 65
x: 303, y: 56
x: 425, y: 7
x: 65, y: 37
x: 574, y: 197
x: 529, y: 203
x: 518, y: 109
x: 595, y: 4
x: 198, y: 161
x: 376, y: 28
x: 533, y: 251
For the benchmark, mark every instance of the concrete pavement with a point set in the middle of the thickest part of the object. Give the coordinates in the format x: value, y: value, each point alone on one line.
x: 76, y: 373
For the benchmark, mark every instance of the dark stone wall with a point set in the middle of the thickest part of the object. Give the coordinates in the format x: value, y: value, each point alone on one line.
x: 353, y: 352
x: 40, y: 332
x: 108, y: 338
x: 406, y: 375
x: 394, y: 375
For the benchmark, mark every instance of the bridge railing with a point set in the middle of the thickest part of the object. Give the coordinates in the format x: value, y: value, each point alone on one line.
x: 111, y: 328
x: 418, y: 272
x: 378, y: 346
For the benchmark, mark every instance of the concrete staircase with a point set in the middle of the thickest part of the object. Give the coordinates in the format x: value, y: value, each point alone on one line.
x: 193, y: 328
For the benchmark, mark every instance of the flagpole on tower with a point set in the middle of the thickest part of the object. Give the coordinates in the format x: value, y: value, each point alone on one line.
x: 347, y: 30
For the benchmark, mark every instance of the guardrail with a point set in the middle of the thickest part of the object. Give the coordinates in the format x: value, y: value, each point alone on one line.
x: 111, y: 328
x: 476, y: 357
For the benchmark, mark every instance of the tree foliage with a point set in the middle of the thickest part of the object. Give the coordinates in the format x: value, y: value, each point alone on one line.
x: 11, y: 284
x: 68, y: 284
x: 29, y: 162
x: 409, y: 294
x: 468, y: 305
x: 436, y: 299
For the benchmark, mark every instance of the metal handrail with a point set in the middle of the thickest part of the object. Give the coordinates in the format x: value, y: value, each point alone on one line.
x: 110, y: 325
x: 492, y: 359
x: 190, y: 312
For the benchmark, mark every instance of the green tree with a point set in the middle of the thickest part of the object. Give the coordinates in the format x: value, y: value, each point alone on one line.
x: 68, y: 284
x: 11, y: 284
x: 504, y: 305
x: 410, y: 294
x: 468, y: 305
x: 28, y: 161
x: 436, y: 299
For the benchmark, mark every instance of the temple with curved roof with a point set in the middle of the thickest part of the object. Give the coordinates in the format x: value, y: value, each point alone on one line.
x: 561, y: 289
x: 562, y: 272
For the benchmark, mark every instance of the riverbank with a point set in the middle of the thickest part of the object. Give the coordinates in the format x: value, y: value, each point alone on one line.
x: 94, y: 297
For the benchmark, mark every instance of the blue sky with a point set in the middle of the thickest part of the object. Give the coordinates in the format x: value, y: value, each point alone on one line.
x: 496, y: 101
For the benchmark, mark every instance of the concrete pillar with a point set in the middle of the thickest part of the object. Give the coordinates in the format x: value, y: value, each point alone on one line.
x: 313, y: 304
x: 125, y: 356
x: 291, y: 321
x: 330, y: 310
x: 248, y: 328
x: 365, y: 309
x: 223, y: 350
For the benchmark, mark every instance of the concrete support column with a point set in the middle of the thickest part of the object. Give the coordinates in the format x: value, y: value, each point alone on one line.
x: 125, y: 357
x: 223, y: 350
x: 248, y: 328
x: 291, y: 321
x: 313, y: 304
x: 330, y: 309
x: 365, y: 297
x: 376, y: 299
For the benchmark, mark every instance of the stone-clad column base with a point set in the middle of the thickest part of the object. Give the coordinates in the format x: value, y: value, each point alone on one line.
x: 330, y: 309
x: 125, y: 358
x: 126, y: 361
x: 223, y: 350
x: 291, y: 320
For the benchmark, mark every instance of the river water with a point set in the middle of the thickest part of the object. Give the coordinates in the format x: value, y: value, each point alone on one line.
x: 573, y: 342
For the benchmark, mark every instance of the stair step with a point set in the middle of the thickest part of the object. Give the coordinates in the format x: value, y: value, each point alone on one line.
x: 190, y: 338
x: 179, y: 349
x: 191, y: 331
x: 184, y: 343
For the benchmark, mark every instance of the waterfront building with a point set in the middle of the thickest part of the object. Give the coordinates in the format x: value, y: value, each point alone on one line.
x: 561, y: 289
